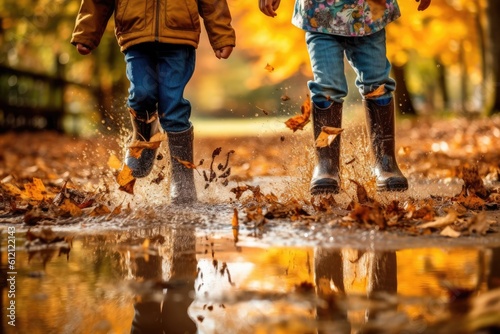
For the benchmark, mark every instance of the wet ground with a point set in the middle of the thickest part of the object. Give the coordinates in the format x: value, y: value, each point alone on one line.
x: 156, y: 267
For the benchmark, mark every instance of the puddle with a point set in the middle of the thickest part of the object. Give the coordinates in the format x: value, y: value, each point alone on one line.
x: 183, y: 280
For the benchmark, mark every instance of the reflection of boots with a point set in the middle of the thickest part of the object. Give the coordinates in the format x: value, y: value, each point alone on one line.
x: 182, y: 188
x: 380, y: 121
x: 325, y: 177
x: 143, y: 130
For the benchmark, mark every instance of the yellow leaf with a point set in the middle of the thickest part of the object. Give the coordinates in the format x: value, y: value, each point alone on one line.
x: 326, y: 136
x: 71, y: 208
x: 125, y: 176
x: 35, y: 190
x: 114, y: 162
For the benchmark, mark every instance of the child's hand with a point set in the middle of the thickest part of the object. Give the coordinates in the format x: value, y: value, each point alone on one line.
x: 269, y: 7
x: 83, y: 49
x: 224, y: 52
x: 423, y: 4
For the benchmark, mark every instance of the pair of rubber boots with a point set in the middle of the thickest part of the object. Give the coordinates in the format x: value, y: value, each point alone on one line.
x: 182, y: 187
x: 380, y: 124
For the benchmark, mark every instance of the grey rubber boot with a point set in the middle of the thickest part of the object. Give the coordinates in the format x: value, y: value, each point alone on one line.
x: 325, y: 178
x: 380, y: 124
x: 182, y: 187
x: 143, y: 130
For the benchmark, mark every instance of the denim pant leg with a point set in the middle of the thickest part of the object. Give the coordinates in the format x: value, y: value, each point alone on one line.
x: 175, y: 68
x: 141, y: 73
x: 326, y: 53
x: 367, y: 56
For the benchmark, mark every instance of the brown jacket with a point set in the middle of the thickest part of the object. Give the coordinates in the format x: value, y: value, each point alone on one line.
x: 164, y: 21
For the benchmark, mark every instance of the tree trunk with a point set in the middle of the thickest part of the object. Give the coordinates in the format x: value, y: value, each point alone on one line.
x: 493, y: 11
x: 403, y: 100
x: 443, y: 85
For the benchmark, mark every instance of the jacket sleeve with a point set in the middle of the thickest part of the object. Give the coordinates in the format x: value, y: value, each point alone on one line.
x: 217, y: 21
x: 91, y: 22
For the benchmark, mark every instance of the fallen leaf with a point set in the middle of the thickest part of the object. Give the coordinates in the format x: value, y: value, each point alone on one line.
x: 449, y: 232
x: 450, y: 218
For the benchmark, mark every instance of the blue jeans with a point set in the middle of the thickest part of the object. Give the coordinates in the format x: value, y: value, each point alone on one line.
x: 158, y: 74
x: 366, y: 55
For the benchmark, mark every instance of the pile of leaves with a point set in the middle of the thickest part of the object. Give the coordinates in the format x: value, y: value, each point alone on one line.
x: 464, y: 214
x: 55, y: 180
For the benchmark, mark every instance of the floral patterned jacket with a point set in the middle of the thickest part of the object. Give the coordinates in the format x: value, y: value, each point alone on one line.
x: 345, y: 17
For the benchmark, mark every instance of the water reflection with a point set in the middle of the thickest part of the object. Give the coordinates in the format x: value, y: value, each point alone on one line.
x: 176, y: 280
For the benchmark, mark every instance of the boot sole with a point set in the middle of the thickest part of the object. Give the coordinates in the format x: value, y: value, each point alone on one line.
x: 394, y: 187
x: 323, y: 190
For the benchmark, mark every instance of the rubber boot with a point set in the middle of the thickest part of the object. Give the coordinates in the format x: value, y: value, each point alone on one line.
x: 143, y: 130
x: 182, y: 187
x: 325, y: 178
x: 380, y: 123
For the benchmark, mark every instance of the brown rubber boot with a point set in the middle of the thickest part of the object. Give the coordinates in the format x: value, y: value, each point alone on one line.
x: 143, y: 130
x: 182, y: 187
x: 325, y: 179
x: 380, y: 123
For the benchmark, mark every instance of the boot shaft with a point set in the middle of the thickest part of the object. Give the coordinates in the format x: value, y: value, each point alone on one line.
x: 182, y: 186
x: 144, y: 128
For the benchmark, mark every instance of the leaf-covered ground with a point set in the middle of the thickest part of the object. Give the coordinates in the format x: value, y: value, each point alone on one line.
x: 453, y: 166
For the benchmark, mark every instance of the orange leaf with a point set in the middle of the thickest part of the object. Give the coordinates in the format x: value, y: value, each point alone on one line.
x: 327, y: 135
x: 71, y: 208
x: 377, y: 92
x: 187, y: 164
x: 128, y: 188
x: 235, y: 225
x: 299, y: 121
x: 269, y: 68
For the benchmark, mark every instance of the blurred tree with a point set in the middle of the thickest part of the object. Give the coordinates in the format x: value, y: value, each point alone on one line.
x: 493, y: 11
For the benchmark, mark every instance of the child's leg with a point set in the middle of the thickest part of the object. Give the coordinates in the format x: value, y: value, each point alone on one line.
x: 175, y: 68
x: 367, y: 55
x: 141, y: 71
x: 143, y: 95
x: 326, y: 53
x: 328, y: 90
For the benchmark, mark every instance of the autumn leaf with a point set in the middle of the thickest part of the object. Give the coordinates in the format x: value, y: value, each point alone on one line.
x: 128, y: 187
x: 264, y: 111
x: 327, y: 136
x: 361, y: 193
x: 100, y: 210
x: 235, y: 225
x: 136, y: 147
x: 449, y: 232
x: 35, y: 190
x: 114, y: 162
x: 376, y: 93
x: 187, y: 164
x: 71, y: 208
x: 450, y: 218
x: 126, y: 180
x: 269, y: 68
x: 299, y: 121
